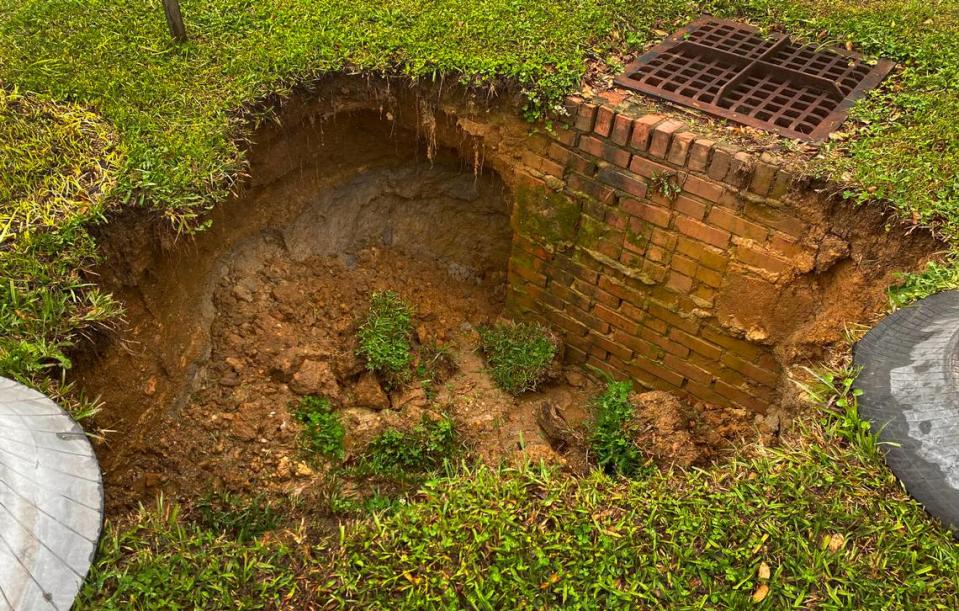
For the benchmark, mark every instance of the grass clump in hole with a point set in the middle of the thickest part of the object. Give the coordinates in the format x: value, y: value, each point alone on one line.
x: 385, y: 338
x: 616, y: 452
x: 420, y: 451
x: 322, y: 430
x: 519, y: 355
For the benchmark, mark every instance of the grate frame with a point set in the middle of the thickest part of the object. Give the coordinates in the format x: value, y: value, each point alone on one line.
x: 730, y: 70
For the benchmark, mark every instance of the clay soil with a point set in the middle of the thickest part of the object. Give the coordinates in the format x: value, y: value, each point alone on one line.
x: 226, y: 333
x: 284, y: 329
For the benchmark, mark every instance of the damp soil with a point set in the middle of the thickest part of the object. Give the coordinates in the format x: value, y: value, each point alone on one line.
x: 284, y: 329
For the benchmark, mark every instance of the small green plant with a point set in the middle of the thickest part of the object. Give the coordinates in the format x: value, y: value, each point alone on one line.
x: 519, y: 355
x: 935, y: 278
x: 665, y: 184
x: 420, y: 451
x: 243, y: 519
x: 385, y: 338
x: 435, y: 364
x: 322, y: 430
x: 611, y: 443
x: 833, y: 390
x: 375, y: 503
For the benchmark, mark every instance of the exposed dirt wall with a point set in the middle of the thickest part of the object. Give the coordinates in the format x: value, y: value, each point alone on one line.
x: 658, y: 255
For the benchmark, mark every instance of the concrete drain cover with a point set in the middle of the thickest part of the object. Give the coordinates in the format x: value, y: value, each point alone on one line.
x: 910, y: 393
x: 730, y: 70
x: 51, y: 502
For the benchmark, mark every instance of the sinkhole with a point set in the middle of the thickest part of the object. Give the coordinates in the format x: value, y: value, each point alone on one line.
x: 707, y: 295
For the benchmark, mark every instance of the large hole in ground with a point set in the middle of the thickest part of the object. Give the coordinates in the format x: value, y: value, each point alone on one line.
x: 227, y: 332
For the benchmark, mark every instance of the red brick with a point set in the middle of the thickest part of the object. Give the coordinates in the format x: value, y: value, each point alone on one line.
x: 787, y: 245
x: 566, y: 295
x: 661, y: 237
x: 730, y: 221
x: 616, y: 156
x: 690, y: 207
x: 654, y: 325
x: 581, y: 164
x: 622, y: 291
x: 607, y: 299
x: 662, y: 136
x: 647, y: 168
x: 656, y: 254
x: 762, y: 259
x: 590, y: 188
x: 551, y: 168
x: 622, y: 128
x: 781, y: 184
x: 705, y: 393
x: 595, y: 351
x: 775, y: 219
x: 571, y: 104
x: 751, y: 371
x: 679, y: 282
x: 679, y: 150
x: 531, y: 247
x: 590, y: 276
x: 699, y: 155
x: 615, y: 319
x: 607, y: 367
x: 720, y: 163
x: 684, y: 265
x: 591, y: 145
x: 565, y: 136
x: 643, y: 129
x: 688, y: 370
x: 709, y: 256
x: 647, y: 212
x: 708, y: 350
x: 637, y: 345
x: 633, y: 310
x: 705, y: 189
x: 617, y: 219
x: 710, y: 277
x: 657, y: 273
x: 573, y: 355
x: 736, y: 346
x: 585, y: 117
x: 703, y: 295
x: 609, y: 152
x: 660, y: 371
x: 565, y: 322
x: 762, y: 179
x: 593, y: 322
x: 740, y: 169
x: 576, y: 341
x: 559, y: 154
x: 704, y: 233
x: 740, y: 397
x: 604, y: 121
x: 689, y: 325
x: 610, y: 346
x: 527, y: 274
x: 623, y: 182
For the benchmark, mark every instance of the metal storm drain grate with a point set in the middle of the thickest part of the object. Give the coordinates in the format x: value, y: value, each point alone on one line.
x: 729, y: 69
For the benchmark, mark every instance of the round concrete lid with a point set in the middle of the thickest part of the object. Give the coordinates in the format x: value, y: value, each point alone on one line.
x: 910, y: 394
x: 51, y: 502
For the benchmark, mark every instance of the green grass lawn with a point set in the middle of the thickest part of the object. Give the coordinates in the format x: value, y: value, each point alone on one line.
x: 99, y: 109
x: 817, y: 523
x: 173, y: 118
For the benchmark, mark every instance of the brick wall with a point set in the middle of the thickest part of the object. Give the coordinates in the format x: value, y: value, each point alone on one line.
x: 640, y: 242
